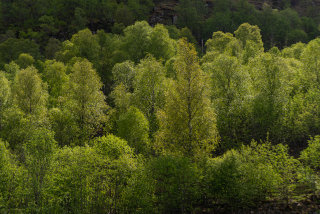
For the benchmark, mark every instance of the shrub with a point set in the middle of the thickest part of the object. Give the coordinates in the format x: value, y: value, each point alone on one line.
x: 252, y: 174
x: 311, y: 155
x: 167, y: 184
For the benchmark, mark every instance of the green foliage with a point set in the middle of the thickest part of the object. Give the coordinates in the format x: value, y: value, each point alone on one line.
x: 176, y: 183
x: 187, y: 121
x: 148, y: 93
x: 137, y: 40
x: 38, y: 151
x: 140, y: 39
x: 310, y: 156
x: 191, y: 14
x: 89, y: 179
x: 25, y: 60
x: 5, y: 91
x: 12, y: 48
x: 14, y: 127
x: 161, y: 46
x: 167, y: 184
x: 30, y: 92
x: 173, y: 110
x: 250, y: 38
x: 236, y: 182
x: 11, y: 70
x: 112, y: 147
x: 64, y: 125
x: 284, y: 165
x: 270, y: 94
x: 124, y: 73
x: 219, y: 41
x: 85, y: 45
x: 86, y: 101
x: 134, y: 128
x: 122, y: 98
x: 230, y: 97
x: 252, y: 174
x: 57, y: 79
x: 13, y: 182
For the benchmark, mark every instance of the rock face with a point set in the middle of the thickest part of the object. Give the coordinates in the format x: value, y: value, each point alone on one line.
x: 164, y: 12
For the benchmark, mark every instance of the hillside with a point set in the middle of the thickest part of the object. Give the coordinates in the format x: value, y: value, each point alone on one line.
x: 216, y: 110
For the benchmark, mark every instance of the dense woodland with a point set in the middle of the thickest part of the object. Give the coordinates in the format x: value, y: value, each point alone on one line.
x: 126, y: 117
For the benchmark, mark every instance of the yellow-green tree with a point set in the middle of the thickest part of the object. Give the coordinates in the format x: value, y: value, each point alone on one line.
x: 86, y: 100
x: 57, y: 79
x: 148, y: 93
x: 30, y: 92
x: 4, y: 91
x: 187, y: 121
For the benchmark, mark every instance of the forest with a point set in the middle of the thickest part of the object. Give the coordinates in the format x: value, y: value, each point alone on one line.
x: 119, y: 115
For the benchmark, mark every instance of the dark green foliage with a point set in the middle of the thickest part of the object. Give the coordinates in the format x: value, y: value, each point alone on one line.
x: 12, y: 48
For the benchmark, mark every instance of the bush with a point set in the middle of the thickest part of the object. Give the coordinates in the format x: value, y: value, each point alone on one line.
x: 309, y: 175
x: 252, y: 174
x: 89, y: 179
x: 311, y: 155
x: 134, y: 127
x: 14, y: 189
x: 167, y: 184
x: 234, y: 181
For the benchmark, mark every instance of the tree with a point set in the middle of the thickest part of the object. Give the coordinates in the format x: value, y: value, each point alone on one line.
x: 39, y: 149
x: 25, y: 60
x: 5, y: 94
x: 85, y: 45
x: 187, y: 121
x: 230, y: 96
x: 134, y: 128
x: 29, y: 92
x: 82, y: 44
x: 250, y: 38
x: 219, y: 41
x: 64, y: 125
x: 124, y: 73
x: 191, y: 14
x: 161, y: 45
x: 270, y: 94
x: 13, y: 181
x: 52, y: 47
x: 148, y: 93
x: 310, y: 58
x: 12, y: 48
x: 136, y: 40
x: 5, y: 91
x: 57, y: 79
x: 11, y: 70
x: 89, y: 179
x: 164, y: 184
x: 86, y: 100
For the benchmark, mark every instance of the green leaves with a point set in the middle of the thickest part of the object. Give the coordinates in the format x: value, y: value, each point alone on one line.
x: 134, y: 127
x: 187, y: 121
x: 5, y: 91
x: 30, y: 92
x: 85, y: 99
